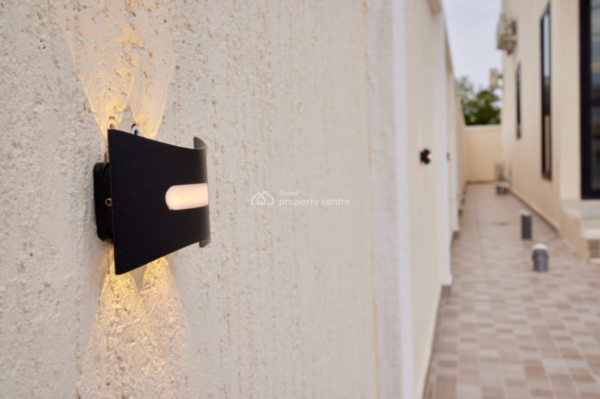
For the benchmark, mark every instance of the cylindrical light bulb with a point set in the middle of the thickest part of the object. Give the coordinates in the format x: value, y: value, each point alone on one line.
x: 187, y: 196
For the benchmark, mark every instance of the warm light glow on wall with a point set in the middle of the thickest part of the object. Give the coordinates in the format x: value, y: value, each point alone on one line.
x: 136, y: 341
x: 123, y: 54
x: 129, y: 66
x: 187, y: 196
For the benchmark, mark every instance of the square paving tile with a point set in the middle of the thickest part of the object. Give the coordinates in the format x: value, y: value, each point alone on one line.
x: 512, y: 332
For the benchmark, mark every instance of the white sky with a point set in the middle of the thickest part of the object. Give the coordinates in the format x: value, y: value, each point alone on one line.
x: 472, y: 31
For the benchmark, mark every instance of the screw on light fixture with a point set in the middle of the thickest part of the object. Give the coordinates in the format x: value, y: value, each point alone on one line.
x: 426, y: 156
x: 151, y: 198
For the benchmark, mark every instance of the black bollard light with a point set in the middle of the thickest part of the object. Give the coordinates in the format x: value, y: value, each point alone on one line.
x: 540, y: 258
x: 526, y: 226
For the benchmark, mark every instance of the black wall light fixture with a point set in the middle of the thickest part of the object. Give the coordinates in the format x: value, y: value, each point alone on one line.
x: 151, y: 198
x: 426, y: 156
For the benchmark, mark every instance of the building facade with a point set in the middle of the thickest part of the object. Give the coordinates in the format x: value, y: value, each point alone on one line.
x: 414, y: 105
x: 549, y: 116
x: 313, y: 101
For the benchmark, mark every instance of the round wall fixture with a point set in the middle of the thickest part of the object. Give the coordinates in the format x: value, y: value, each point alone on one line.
x: 151, y: 198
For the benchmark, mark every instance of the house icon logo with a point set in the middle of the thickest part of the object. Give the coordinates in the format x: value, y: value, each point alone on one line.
x: 262, y: 198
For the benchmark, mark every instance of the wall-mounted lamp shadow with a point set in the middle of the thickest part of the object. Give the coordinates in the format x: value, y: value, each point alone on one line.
x: 426, y: 156
x: 151, y: 198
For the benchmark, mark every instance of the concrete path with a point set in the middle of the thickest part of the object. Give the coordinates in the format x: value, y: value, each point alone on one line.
x: 506, y: 331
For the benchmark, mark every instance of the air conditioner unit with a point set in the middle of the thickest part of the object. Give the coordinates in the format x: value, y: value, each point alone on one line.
x: 506, y: 34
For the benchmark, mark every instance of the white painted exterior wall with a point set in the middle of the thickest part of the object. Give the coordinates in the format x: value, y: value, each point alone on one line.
x: 484, y: 148
x: 415, y: 206
x: 430, y: 71
x: 522, y: 157
x: 286, y: 301
x: 280, y: 304
x: 391, y: 209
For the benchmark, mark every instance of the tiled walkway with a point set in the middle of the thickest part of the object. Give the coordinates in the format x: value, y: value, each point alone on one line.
x: 506, y: 331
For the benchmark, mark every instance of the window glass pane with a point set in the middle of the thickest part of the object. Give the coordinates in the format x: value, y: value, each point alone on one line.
x: 546, y: 45
x: 595, y: 94
x: 546, y: 97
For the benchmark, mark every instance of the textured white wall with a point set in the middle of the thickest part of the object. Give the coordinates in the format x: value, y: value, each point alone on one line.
x: 412, y: 106
x: 440, y: 115
x: 455, y: 186
x: 461, y: 148
x: 281, y: 303
x: 523, y: 156
x: 484, y: 150
x: 391, y: 207
x: 423, y: 108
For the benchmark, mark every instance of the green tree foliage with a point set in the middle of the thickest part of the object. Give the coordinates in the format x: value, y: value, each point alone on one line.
x: 480, y: 107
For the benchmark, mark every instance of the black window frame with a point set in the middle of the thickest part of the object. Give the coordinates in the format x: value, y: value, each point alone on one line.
x: 546, y: 94
x: 585, y: 34
x: 518, y: 94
